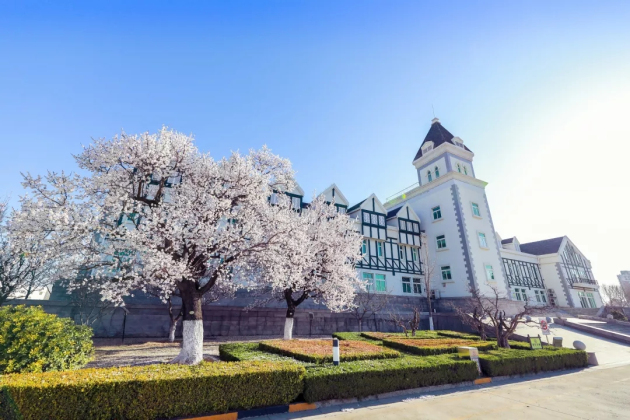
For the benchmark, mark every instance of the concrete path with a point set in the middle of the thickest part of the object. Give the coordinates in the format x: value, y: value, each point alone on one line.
x: 607, y: 351
x: 594, y: 393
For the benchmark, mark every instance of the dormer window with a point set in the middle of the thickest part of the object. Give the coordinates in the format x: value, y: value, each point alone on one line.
x: 437, y: 172
x: 429, y: 176
x: 465, y: 171
x: 459, y: 168
x: 427, y: 147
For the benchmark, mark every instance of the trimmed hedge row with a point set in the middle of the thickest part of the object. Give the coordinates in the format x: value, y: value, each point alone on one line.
x: 517, y: 362
x: 244, y: 352
x: 433, y: 350
x: 370, y: 377
x: 354, y: 351
x: 420, y: 335
x: 148, y: 392
x: 355, y: 336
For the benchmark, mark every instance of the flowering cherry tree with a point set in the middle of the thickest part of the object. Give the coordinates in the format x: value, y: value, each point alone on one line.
x: 24, y: 264
x: 153, y: 213
x: 317, y: 261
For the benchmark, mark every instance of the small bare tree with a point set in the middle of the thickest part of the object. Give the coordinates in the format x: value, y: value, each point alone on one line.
x: 369, y: 304
x: 491, y: 308
x: 472, y: 314
x: 406, y: 323
x: 429, y: 264
x: 615, y: 295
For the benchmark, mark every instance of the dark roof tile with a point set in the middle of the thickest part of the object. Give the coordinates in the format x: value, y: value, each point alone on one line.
x: 547, y: 246
x: 438, y: 135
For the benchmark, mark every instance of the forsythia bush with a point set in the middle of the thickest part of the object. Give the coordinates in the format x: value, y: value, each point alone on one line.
x: 149, y: 392
x: 516, y: 362
x: 34, y: 341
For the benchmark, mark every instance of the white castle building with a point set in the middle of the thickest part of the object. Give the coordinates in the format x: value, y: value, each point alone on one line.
x: 448, y: 212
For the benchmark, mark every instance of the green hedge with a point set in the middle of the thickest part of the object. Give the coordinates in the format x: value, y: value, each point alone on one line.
x: 370, y: 377
x: 33, y: 341
x: 420, y: 335
x: 148, y: 392
x: 354, y: 336
x: 384, y: 353
x: 242, y: 352
x: 428, y: 351
x: 457, y: 334
x: 515, y: 362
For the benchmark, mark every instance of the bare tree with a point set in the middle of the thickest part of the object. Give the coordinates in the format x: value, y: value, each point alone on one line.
x: 615, y: 295
x: 368, y: 304
x: 407, y: 323
x: 472, y: 314
x: 89, y: 305
x: 427, y: 274
x: 491, y: 308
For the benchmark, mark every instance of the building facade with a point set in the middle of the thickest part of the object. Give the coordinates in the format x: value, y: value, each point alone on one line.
x: 447, y: 211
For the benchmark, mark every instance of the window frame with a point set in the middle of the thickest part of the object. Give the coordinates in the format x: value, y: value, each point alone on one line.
x: 379, y: 248
x: 417, y: 282
x: 406, y: 284
x: 437, y: 172
x: 489, y: 269
x: 439, y: 242
x: 378, y: 281
x: 483, y: 244
x: 475, y: 206
x: 437, y: 210
x: 446, y: 273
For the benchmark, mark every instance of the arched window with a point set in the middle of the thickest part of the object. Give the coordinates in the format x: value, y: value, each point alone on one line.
x: 459, y: 168
x: 437, y: 172
x: 429, y: 176
x: 465, y: 171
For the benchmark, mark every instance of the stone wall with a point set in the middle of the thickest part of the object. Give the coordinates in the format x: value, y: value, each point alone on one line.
x: 152, y: 320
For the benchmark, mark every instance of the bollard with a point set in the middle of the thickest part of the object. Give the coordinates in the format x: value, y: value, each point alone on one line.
x: 557, y: 341
x: 336, y: 351
x: 592, y: 359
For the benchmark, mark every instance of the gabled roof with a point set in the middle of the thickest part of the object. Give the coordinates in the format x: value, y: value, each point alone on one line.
x: 335, y: 194
x: 393, y: 212
x: 544, y: 247
x: 356, y: 206
x: 438, y: 135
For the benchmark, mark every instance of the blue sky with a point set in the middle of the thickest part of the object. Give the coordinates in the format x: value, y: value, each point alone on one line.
x: 540, y: 91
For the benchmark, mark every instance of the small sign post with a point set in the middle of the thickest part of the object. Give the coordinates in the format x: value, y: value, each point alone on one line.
x: 336, y: 351
x: 472, y: 352
x: 535, y: 343
x: 544, y: 326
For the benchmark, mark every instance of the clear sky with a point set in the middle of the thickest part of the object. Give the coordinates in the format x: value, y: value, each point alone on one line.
x: 539, y: 90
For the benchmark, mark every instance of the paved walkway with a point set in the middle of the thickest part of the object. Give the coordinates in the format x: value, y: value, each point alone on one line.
x: 594, y: 393
x: 623, y: 329
x: 607, y: 351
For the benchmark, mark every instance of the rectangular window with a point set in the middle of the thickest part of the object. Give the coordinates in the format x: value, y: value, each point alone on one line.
x: 414, y: 254
x: 364, y: 247
x: 401, y: 252
x: 446, y: 272
x: 441, y: 242
x: 296, y: 203
x: 368, y: 278
x: 437, y: 213
x: 583, y: 300
x: 524, y: 293
x: 380, y: 283
x: 381, y: 220
x: 475, y: 210
x: 489, y: 272
x: 543, y: 297
x: 341, y: 209
x: 403, y: 225
x: 482, y: 240
x: 379, y: 249
x: 274, y: 198
x: 406, y: 282
x: 537, y: 296
x: 416, y: 229
x: 374, y: 219
x: 518, y: 294
x: 591, y: 300
x: 366, y: 217
x: 417, y: 286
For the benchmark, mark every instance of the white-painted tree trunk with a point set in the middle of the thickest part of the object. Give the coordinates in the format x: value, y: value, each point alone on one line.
x: 171, y: 332
x: 288, y: 328
x: 192, y: 343
x: 430, y: 323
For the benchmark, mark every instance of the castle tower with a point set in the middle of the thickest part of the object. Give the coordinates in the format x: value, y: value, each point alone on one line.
x: 454, y: 209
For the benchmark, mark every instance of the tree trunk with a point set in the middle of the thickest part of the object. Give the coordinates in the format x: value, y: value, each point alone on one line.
x: 288, y: 323
x: 430, y: 322
x: 360, y: 325
x: 171, y: 331
x: 192, y: 337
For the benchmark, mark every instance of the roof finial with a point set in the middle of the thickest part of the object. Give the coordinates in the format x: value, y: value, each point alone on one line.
x: 435, y: 120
